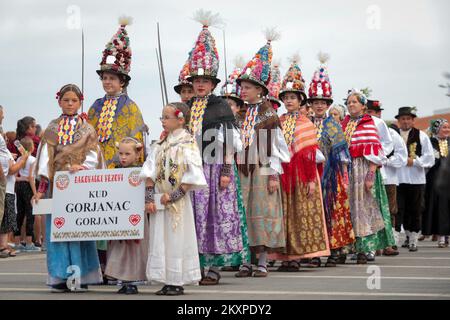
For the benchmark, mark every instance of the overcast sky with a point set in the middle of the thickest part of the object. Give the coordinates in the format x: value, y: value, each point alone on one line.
x: 400, y: 49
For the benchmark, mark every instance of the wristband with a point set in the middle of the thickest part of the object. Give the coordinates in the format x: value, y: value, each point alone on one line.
x: 226, y: 170
x: 177, y: 194
x: 149, y: 195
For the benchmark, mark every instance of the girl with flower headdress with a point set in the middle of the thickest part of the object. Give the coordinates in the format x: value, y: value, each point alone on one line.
x: 69, y: 143
x: 259, y: 163
x: 334, y: 166
x: 173, y: 169
x: 304, y: 218
x: 436, y: 217
x: 127, y: 259
x: 115, y: 116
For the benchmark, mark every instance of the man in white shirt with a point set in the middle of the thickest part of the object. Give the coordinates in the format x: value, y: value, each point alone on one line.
x: 412, y: 179
x: 397, y: 158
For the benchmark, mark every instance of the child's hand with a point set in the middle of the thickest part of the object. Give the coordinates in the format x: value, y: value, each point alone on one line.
x: 150, y: 207
x: 75, y: 168
x: 36, y: 197
x: 165, y: 199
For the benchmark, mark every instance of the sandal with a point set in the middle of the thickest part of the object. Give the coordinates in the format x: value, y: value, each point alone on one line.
x: 261, y: 274
x: 230, y: 268
x: 209, y: 281
x: 7, y: 253
x: 331, y: 262
x: 294, y: 266
x: 361, y: 258
x: 244, y: 272
x: 284, y: 267
x: 315, y: 263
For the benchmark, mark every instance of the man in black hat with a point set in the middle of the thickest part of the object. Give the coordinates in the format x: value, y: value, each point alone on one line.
x: 412, y: 179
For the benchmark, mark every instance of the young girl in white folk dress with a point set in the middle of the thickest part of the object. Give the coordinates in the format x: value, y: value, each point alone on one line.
x: 127, y: 259
x: 173, y: 168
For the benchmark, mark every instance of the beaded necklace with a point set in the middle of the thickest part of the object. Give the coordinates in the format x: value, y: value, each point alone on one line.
x: 66, y: 129
x: 289, y: 127
x: 248, y: 127
x: 197, y: 112
x: 106, y: 119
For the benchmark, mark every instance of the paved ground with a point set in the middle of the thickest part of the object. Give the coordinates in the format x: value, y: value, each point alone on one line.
x: 421, y: 275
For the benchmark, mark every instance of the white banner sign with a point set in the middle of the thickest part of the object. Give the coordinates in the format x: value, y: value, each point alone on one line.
x: 98, y: 205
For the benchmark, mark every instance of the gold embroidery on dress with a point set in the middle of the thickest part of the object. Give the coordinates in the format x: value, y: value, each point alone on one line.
x: 443, y: 148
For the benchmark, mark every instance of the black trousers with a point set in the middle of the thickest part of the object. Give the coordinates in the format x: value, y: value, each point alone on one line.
x: 411, y: 204
x: 24, y: 208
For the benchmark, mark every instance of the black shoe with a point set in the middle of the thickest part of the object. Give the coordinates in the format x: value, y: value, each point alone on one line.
x: 123, y: 289
x: 361, y: 258
x: 331, y: 262
x: 60, y: 288
x: 315, y: 263
x: 131, y: 289
x: 175, y: 291
x: 341, y: 259
x: 163, y: 291
x: 406, y: 243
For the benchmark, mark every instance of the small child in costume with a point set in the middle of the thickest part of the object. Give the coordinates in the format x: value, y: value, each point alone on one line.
x: 173, y: 168
x: 127, y: 259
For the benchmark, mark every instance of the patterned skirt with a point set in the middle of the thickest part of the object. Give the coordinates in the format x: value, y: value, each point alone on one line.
x: 264, y: 213
x: 237, y: 258
x: 217, y: 218
x: 385, y: 237
x: 342, y: 233
x: 306, y: 230
x: 365, y: 211
x: 9, y: 221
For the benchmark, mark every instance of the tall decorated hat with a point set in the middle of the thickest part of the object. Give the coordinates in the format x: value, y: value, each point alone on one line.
x: 293, y: 80
x: 116, y: 57
x: 257, y: 70
x: 275, y: 85
x: 231, y: 89
x: 183, y: 77
x: 320, y: 87
x: 204, y: 58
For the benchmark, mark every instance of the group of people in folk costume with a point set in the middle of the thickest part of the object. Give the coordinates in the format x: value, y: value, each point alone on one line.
x: 293, y: 188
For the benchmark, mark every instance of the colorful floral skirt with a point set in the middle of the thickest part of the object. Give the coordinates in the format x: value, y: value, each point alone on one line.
x: 217, y: 219
x: 237, y: 258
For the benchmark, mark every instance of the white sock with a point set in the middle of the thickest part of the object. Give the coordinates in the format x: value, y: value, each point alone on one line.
x: 262, y: 261
x: 413, y: 238
x: 408, y: 234
x: 396, y: 236
x: 441, y: 239
x: 213, y: 272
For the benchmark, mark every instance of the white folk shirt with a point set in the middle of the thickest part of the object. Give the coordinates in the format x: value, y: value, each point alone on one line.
x: 386, y: 141
x: 416, y: 173
x: 398, y: 160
